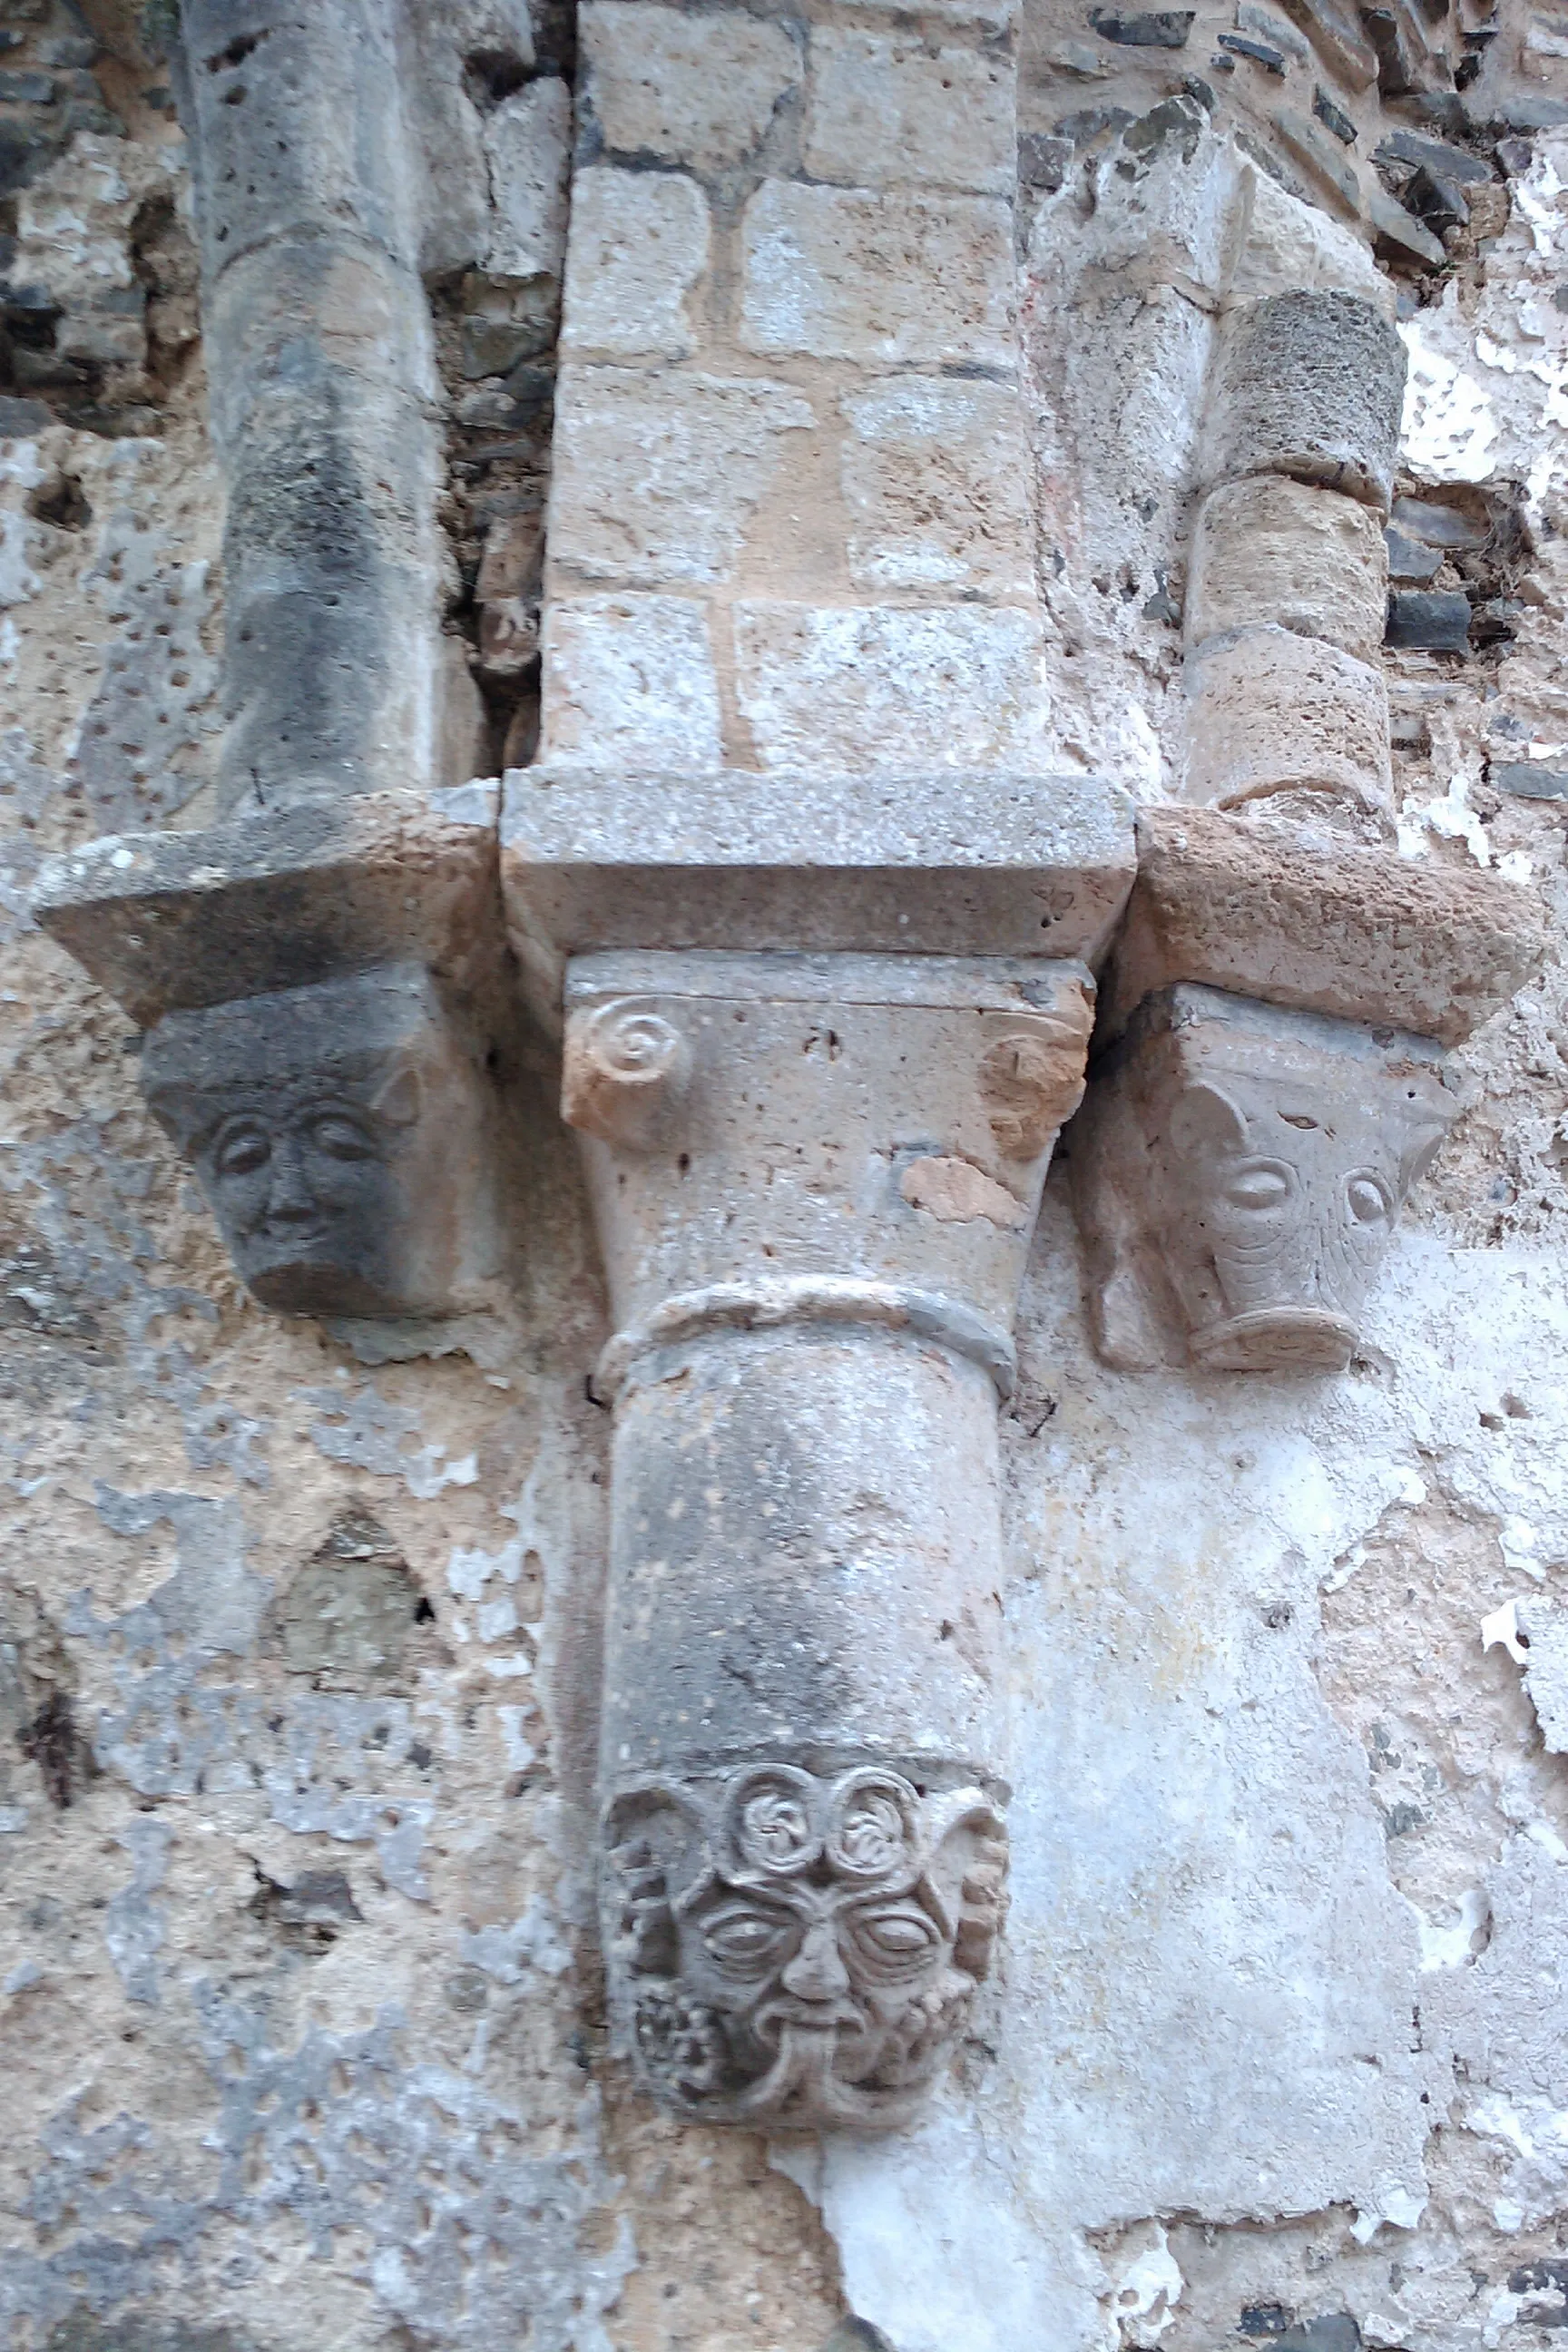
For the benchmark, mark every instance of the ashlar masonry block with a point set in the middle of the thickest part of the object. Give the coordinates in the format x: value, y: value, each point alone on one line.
x: 637, y: 252
x: 1272, y: 713
x: 935, y: 476
x: 656, y: 473
x: 865, y: 686
x: 630, y: 679
x: 700, y: 91
x: 887, y: 112
x: 841, y: 273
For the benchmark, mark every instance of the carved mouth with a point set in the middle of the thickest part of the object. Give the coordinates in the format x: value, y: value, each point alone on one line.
x: 811, y: 2017
x: 1276, y: 1340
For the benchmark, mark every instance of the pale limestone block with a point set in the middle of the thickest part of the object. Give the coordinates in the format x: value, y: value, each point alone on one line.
x: 1270, y: 712
x: 638, y: 247
x: 1170, y: 216
x: 885, y: 111
x: 658, y: 473
x: 691, y: 90
x: 528, y: 143
x: 1271, y: 550
x: 845, y: 274
x: 936, y: 477
x: 1291, y: 244
x: 991, y: 16
x: 869, y: 686
x: 630, y: 679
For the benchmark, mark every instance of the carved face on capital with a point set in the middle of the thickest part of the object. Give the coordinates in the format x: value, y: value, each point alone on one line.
x: 1242, y: 1179
x: 338, y: 1132
x: 800, y: 1950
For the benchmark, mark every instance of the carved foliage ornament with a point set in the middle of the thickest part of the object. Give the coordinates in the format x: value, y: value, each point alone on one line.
x: 797, y: 1949
x: 1238, y: 1178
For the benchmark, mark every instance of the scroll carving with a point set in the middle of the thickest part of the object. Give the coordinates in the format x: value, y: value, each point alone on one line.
x: 1238, y: 1176
x: 801, y: 1950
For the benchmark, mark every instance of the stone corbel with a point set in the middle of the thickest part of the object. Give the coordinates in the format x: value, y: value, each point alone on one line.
x: 1272, y: 1080
x: 327, y: 1034
x: 815, y: 1176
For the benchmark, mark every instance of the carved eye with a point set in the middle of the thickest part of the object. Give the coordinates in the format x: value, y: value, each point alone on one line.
x: 242, y: 1151
x: 1368, y: 1200
x: 746, y: 1942
x: 1265, y: 1184
x: 895, y: 1940
x: 340, y: 1138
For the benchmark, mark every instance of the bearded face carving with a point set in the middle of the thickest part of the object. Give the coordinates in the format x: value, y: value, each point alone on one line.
x: 797, y: 1950
x: 341, y: 1135
x: 1238, y: 1177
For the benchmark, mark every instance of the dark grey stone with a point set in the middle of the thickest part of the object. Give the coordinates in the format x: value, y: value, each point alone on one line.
x: 1333, y: 118
x: 1309, y: 385
x: 1495, y: 621
x: 1515, y: 156
x: 1260, y: 52
x: 1397, y: 237
x: 21, y: 418
x: 1527, y: 780
x: 1336, y: 2331
x: 1159, y: 28
x: 342, y: 1135
x: 1043, y: 161
x: 1195, y: 87
x: 1522, y: 112
x: 1438, y: 525
x: 1081, y: 130
x: 1434, y: 620
x: 1436, y: 200
x: 1409, y: 560
x: 26, y: 89
x: 857, y: 2336
x: 1402, y: 146
x: 25, y: 150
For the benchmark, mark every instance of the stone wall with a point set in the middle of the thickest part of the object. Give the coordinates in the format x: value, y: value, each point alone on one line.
x: 873, y: 440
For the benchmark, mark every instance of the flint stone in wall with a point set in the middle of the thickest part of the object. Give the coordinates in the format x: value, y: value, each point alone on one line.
x: 657, y: 477
x: 887, y: 112
x: 862, y: 688
x: 1272, y: 551
x: 693, y: 89
x: 630, y: 679
x: 1269, y: 711
x: 936, y: 477
x: 637, y: 250
x: 1312, y: 386
x: 837, y: 273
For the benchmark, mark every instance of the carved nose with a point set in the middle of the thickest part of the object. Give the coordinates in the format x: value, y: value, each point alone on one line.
x: 816, y: 1972
x: 289, y: 1202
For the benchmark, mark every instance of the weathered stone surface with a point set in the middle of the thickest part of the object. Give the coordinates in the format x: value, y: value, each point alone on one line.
x: 869, y: 686
x: 1408, y: 560
x: 657, y: 477
x: 1239, y: 1173
x: 527, y: 140
x: 886, y: 112
x: 1277, y: 552
x: 1529, y: 780
x: 1322, y: 158
x: 637, y: 253
x: 936, y: 477
x: 630, y: 679
x: 343, y: 1136
x: 1308, y: 385
x: 881, y: 278
x: 698, y: 90
x: 1157, y: 28
x: 1271, y: 711
x: 931, y: 863
x: 1358, y: 933
x: 1398, y: 236
x: 1291, y: 246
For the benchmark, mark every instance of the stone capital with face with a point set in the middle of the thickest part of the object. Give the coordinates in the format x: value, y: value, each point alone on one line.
x: 340, y: 1133
x: 1238, y: 1178
x: 801, y: 1951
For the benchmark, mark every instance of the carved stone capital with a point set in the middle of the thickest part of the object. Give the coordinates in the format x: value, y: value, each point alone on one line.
x: 815, y: 1179
x: 1239, y: 1172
